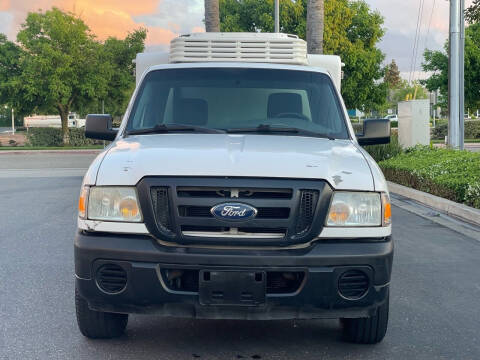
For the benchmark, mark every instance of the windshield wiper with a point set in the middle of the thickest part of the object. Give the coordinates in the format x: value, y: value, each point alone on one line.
x: 163, y: 128
x: 262, y: 128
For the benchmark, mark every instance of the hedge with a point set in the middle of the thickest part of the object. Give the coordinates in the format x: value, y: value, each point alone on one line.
x: 451, y: 174
x: 387, y: 151
x: 472, y: 130
x: 381, y: 152
x: 53, y: 137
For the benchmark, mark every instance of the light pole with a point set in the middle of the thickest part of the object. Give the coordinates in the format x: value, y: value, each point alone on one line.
x: 455, y: 75
x: 277, y: 16
x: 13, y: 119
x: 13, y: 123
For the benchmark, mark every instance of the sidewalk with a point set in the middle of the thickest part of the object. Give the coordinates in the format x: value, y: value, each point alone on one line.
x: 451, y: 208
x: 474, y: 147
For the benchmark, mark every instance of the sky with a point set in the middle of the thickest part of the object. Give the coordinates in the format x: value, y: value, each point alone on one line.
x: 165, y: 19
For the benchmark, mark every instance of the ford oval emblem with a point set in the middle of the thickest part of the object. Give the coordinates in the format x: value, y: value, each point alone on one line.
x: 234, y: 211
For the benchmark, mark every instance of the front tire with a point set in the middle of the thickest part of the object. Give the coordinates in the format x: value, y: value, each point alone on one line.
x: 98, y: 324
x: 369, y: 330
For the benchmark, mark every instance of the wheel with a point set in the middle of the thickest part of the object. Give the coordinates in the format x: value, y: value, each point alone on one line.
x: 369, y: 330
x: 97, y: 324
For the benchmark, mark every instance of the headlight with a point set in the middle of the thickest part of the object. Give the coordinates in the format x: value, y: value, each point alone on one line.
x: 113, y: 204
x: 355, y: 209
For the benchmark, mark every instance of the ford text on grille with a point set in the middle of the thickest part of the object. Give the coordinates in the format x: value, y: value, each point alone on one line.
x: 232, y: 211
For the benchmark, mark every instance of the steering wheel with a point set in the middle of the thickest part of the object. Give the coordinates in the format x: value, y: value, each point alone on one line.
x: 291, y: 115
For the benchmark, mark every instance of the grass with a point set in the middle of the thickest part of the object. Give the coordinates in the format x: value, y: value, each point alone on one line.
x: 451, y: 174
x: 13, y: 148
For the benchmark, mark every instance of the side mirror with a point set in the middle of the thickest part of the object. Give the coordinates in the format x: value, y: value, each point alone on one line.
x: 375, y: 131
x: 100, y: 127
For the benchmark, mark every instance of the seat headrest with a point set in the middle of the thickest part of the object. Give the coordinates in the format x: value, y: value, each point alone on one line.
x: 191, y: 112
x: 279, y: 103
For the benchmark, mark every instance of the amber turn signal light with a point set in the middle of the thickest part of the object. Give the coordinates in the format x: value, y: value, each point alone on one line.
x: 82, y: 202
x: 387, y: 210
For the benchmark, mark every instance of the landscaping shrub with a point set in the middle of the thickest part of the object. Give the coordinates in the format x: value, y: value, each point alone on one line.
x: 53, y: 137
x: 394, y: 124
x: 387, y: 151
x: 357, y: 127
x: 77, y: 138
x: 472, y: 130
x: 44, y: 137
x: 451, y: 174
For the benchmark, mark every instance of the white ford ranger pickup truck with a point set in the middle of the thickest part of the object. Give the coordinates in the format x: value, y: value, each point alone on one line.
x: 235, y: 188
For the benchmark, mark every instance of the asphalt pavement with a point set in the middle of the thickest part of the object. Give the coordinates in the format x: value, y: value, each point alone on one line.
x: 435, y: 289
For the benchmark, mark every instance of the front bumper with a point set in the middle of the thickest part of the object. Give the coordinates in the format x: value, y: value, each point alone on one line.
x: 146, y: 291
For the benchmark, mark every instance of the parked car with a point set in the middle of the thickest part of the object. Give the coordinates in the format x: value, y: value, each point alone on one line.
x: 235, y: 188
x: 393, y: 117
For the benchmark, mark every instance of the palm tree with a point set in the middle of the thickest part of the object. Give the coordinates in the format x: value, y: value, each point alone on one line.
x: 212, y: 16
x: 315, y: 25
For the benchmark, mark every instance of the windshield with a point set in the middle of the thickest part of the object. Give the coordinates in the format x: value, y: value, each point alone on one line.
x: 237, y: 99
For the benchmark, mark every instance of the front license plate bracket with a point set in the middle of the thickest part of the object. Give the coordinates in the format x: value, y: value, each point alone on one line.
x: 240, y: 288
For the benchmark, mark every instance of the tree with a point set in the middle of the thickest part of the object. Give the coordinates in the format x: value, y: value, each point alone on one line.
x: 404, y: 89
x: 257, y: 16
x: 351, y: 31
x: 212, y: 16
x: 436, y: 62
x: 472, y: 14
x: 315, y: 26
x: 58, y: 65
x: 392, y: 75
x: 117, y: 62
x: 10, y: 55
x: 10, y: 85
x: 61, y: 64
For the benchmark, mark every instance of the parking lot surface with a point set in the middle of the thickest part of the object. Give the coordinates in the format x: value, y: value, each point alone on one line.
x: 435, y: 290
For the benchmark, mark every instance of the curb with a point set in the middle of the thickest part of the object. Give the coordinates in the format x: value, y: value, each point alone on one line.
x: 24, y: 152
x: 448, y: 207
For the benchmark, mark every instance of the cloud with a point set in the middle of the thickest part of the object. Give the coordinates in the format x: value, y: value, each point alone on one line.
x: 6, y: 21
x: 109, y: 17
x: 401, y: 22
x: 198, y: 29
x: 4, y: 5
x: 179, y: 16
x: 158, y: 35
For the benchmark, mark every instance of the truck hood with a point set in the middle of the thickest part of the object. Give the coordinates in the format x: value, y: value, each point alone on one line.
x: 339, y: 162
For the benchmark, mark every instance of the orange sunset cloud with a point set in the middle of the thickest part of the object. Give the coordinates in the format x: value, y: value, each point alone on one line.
x: 104, y: 17
x: 4, y: 5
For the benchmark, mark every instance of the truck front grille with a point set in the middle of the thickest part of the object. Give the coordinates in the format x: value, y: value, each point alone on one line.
x: 288, y: 211
x: 161, y: 208
x: 226, y: 193
x: 306, y: 211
